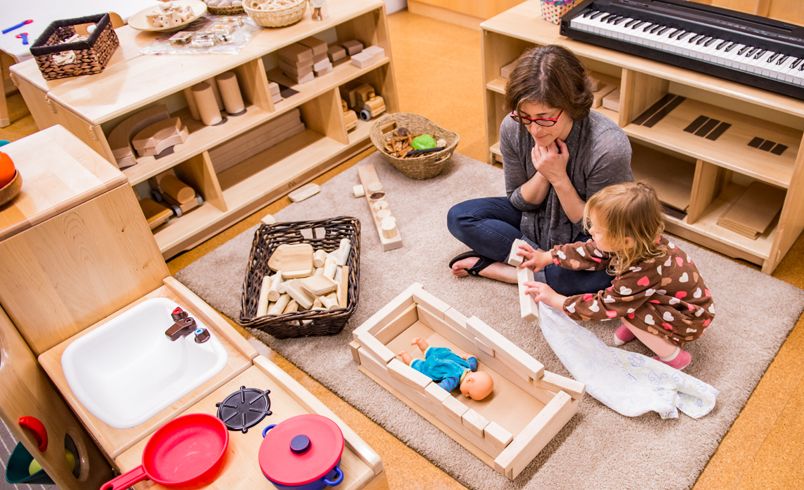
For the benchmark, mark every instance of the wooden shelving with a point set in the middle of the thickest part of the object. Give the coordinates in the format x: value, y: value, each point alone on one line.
x: 91, y: 106
x: 695, y: 169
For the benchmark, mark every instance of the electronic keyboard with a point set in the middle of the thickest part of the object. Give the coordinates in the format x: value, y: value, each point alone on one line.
x: 744, y: 48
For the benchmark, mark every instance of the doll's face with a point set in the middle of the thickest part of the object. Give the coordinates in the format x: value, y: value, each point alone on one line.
x: 477, y: 385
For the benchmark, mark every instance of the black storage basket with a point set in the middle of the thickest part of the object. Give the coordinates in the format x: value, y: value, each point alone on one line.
x: 91, y: 54
x: 326, y: 234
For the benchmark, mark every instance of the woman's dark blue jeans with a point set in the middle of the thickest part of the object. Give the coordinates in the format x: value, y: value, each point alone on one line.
x: 489, y: 226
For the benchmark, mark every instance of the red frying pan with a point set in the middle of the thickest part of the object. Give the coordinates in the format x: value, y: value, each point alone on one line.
x: 186, y: 452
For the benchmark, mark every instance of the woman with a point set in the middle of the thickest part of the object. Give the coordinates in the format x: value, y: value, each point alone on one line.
x: 556, y: 154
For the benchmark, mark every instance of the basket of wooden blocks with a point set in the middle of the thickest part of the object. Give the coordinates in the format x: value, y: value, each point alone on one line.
x: 395, y: 136
x: 302, y: 277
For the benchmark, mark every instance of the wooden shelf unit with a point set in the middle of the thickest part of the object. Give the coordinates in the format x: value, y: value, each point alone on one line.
x: 703, y: 174
x: 91, y: 106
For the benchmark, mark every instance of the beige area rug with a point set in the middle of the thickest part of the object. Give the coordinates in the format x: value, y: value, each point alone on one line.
x: 598, y: 448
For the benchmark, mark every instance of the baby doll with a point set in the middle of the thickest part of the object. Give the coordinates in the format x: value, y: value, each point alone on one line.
x: 450, y: 370
x: 657, y: 292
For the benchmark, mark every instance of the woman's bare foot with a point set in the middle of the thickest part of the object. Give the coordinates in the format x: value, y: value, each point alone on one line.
x: 496, y: 271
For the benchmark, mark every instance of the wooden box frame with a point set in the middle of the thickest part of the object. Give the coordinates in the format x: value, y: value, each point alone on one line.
x: 529, y: 405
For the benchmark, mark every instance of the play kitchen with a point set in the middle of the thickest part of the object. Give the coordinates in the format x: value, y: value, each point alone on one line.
x: 150, y: 372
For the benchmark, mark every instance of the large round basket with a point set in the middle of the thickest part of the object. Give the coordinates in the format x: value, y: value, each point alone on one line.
x: 276, y: 13
x: 424, y: 166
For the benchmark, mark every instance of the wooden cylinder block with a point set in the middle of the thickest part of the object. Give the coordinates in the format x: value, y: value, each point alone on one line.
x: 230, y: 92
x: 389, y: 227
x: 176, y: 190
x: 206, y: 104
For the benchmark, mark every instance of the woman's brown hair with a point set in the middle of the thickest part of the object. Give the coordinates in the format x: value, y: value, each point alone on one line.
x: 553, y: 76
x: 632, y: 210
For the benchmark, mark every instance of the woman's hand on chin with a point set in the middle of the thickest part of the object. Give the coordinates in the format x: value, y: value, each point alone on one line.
x: 551, y: 161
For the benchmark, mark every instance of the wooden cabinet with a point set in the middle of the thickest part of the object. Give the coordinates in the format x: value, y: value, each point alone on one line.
x: 701, y: 153
x: 91, y: 106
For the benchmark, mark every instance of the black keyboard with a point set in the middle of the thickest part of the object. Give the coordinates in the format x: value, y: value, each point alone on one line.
x: 744, y: 48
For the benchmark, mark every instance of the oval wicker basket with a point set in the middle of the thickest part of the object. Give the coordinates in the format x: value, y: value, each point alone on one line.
x: 230, y: 10
x: 422, y: 167
x: 277, y: 17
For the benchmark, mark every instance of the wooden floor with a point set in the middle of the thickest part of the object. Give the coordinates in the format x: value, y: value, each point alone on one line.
x: 439, y: 76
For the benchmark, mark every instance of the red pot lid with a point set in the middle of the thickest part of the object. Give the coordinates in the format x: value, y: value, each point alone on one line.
x: 301, y: 450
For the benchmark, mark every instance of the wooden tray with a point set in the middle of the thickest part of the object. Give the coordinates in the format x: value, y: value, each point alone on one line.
x: 506, y: 431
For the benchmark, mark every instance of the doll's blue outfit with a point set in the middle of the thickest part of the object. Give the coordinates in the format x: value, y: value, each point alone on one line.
x: 444, y: 366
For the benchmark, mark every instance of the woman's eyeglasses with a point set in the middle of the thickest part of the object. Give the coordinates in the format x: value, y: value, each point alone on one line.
x: 544, y: 122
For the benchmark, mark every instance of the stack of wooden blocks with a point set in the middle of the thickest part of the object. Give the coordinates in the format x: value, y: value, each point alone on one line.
x: 273, y: 88
x: 305, y: 279
x: 305, y: 60
x: 753, y: 212
x: 257, y: 140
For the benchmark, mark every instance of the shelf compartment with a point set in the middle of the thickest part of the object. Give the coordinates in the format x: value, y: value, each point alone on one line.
x: 361, y: 132
x: 670, y: 174
x: 730, y: 150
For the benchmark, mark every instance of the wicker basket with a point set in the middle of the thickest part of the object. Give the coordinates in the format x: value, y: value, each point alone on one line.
x: 553, y: 10
x: 302, y: 323
x: 87, y: 57
x: 424, y: 166
x: 230, y: 10
x: 278, y: 17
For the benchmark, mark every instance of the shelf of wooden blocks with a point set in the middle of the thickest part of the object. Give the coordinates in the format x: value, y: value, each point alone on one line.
x: 506, y: 431
x: 387, y: 228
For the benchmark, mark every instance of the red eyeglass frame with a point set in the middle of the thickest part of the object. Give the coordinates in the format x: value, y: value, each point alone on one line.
x: 522, y: 119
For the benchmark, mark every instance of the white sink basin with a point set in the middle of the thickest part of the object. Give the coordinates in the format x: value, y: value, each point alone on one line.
x: 127, y: 370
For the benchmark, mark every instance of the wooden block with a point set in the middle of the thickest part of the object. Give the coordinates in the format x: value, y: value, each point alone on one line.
x: 278, y: 307
x: 438, y: 393
x: 159, y: 136
x: 352, y: 47
x: 752, y: 213
x: 454, y: 408
x: 434, y: 304
x: 555, y: 383
x: 474, y: 422
x: 155, y: 213
x: 304, y: 192
x: 120, y: 137
x: 262, y: 301
x: 330, y: 301
x: 268, y: 219
x: 354, y: 347
x: 391, y: 309
x: 358, y: 191
x: 532, y: 439
x: 519, y: 360
x: 294, y: 289
x: 368, y: 177
x: 336, y: 53
x: 343, y: 287
x: 375, y: 347
x: 322, y: 65
x: 292, y: 307
x: 296, y: 53
x: 397, y: 325
x: 612, y: 100
x: 408, y: 375
x: 513, y: 256
x: 497, y: 435
x: 317, y: 46
x: 602, y: 85
x: 292, y: 257
x: 341, y: 255
x: 174, y: 190
x: 456, y: 319
x: 528, y: 309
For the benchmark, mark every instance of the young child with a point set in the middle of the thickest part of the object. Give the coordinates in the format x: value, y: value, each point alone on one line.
x: 657, y: 292
x: 450, y: 370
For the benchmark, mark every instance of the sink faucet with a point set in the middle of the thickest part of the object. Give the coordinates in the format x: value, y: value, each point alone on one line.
x: 184, y: 325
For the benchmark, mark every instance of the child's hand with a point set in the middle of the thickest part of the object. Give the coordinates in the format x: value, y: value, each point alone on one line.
x: 534, y: 259
x: 542, y: 293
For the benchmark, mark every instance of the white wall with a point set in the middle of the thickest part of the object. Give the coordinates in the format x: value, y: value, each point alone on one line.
x: 392, y: 6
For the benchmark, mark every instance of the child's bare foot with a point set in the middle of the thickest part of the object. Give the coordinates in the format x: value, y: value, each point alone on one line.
x: 405, y: 357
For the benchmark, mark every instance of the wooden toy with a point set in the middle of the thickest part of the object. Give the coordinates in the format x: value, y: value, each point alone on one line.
x: 506, y: 431
x: 341, y: 255
x: 292, y: 259
x: 120, y: 136
x: 330, y: 266
x: 206, y: 103
x: 274, y: 286
x: 528, y: 309
x: 318, y: 9
x: 337, y: 54
x: 304, y: 192
x: 513, y: 256
x: 155, y: 213
x: 612, y: 100
x: 343, y: 286
x: 318, y: 285
x: 262, y: 300
x: 352, y: 47
x: 372, y: 108
x: 602, y: 85
x: 358, y: 191
x: 317, y: 46
x: 273, y: 89
x: 368, y: 177
x: 278, y: 307
x: 154, y: 139
x: 268, y: 219
x: 292, y: 307
x: 319, y: 258
x: 295, y: 291
x: 349, y: 117
x: 368, y: 56
x: 175, y: 190
x: 230, y: 93
x: 322, y: 67
x: 359, y: 95
x: 295, y: 53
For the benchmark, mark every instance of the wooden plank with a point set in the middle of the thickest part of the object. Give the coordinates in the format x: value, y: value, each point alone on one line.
x: 528, y: 309
x: 507, y: 351
x: 474, y: 422
x: 530, y: 441
x: 497, y: 435
x: 408, y: 375
x: 433, y: 303
x: 391, y: 309
x: 376, y: 347
x: 377, y: 200
x: 398, y: 325
x: 555, y: 383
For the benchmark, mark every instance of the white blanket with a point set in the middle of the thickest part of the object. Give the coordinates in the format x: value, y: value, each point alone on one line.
x: 627, y: 382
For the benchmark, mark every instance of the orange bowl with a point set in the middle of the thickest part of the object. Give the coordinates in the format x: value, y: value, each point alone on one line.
x: 7, y: 169
x: 9, y: 191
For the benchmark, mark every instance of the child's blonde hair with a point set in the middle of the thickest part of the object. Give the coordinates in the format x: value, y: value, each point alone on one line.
x: 630, y: 210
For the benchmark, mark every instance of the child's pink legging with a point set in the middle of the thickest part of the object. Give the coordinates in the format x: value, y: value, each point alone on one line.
x: 658, y: 345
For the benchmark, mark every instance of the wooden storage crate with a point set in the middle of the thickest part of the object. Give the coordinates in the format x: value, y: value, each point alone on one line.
x: 529, y: 405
